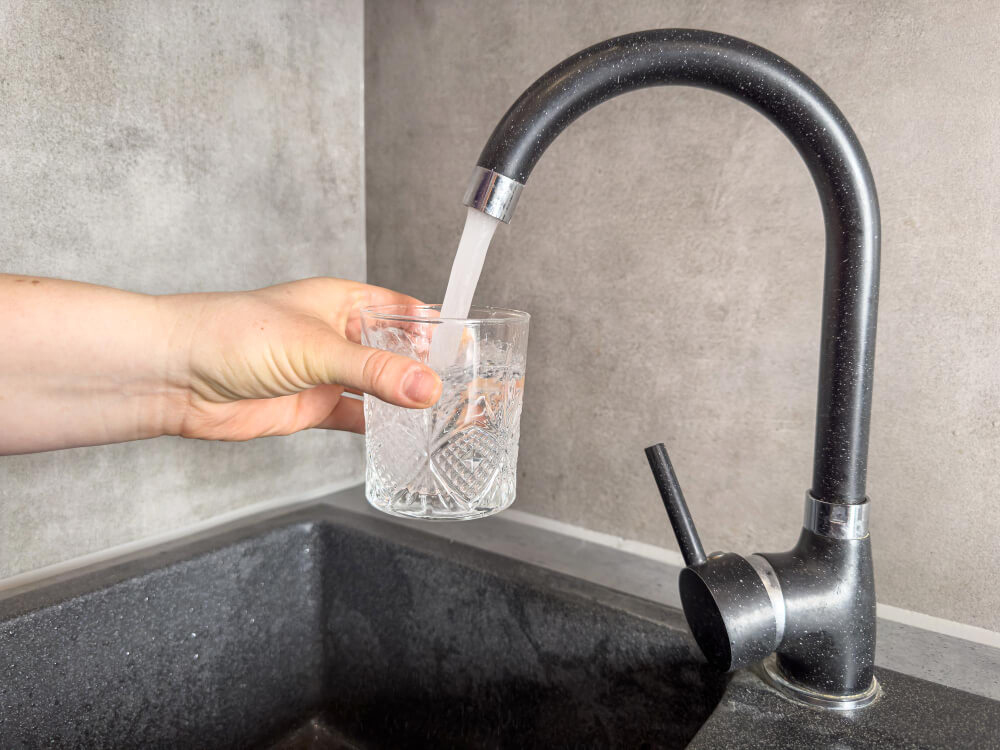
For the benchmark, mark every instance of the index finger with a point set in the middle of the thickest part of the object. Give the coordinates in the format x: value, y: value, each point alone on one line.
x: 374, y: 296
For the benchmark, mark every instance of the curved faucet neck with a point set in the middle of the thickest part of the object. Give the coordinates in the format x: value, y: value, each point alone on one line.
x: 824, y: 139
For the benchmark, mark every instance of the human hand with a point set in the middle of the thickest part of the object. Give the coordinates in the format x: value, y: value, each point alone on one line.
x: 278, y: 360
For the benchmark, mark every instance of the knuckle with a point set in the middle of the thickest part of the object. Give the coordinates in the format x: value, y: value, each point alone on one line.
x: 376, y: 369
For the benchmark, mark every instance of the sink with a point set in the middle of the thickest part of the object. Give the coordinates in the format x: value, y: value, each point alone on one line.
x: 320, y: 627
x: 324, y: 628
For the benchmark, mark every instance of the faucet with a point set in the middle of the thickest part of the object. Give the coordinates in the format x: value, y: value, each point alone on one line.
x: 806, y: 617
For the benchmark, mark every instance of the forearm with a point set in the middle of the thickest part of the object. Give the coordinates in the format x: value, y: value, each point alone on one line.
x: 80, y: 365
x: 86, y: 365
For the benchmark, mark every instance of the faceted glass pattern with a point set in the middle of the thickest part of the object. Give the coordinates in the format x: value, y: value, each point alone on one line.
x: 458, y: 459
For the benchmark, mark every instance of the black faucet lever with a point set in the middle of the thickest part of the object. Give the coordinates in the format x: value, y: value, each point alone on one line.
x: 673, y: 501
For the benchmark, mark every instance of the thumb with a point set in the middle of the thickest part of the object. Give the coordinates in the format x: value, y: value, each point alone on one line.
x: 391, y: 377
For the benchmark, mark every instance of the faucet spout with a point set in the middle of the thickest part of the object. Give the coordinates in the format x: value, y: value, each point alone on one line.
x: 824, y: 139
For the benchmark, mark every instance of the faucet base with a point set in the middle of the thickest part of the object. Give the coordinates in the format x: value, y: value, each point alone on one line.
x: 771, y: 673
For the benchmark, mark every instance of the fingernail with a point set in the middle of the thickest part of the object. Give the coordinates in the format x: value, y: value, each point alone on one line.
x: 420, y: 385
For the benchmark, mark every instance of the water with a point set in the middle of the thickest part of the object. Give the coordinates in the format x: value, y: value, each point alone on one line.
x: 457, y: 459
x: 465, y: 271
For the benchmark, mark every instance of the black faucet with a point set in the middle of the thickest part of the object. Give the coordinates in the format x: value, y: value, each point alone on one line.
x: 813, y: 607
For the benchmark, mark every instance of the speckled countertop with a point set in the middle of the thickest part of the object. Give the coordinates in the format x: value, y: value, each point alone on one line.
x: 911, y: 713
x: 335, y: 625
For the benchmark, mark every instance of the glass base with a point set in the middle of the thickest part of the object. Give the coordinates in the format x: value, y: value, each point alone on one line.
x: 431, y: 507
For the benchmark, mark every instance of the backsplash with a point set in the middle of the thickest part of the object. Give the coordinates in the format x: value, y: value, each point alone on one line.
x: 176, y: 147
x: 675, y: 291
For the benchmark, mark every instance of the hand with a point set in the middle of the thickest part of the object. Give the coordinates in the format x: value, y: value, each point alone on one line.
x: 87, y: 365
x: 278, y: 360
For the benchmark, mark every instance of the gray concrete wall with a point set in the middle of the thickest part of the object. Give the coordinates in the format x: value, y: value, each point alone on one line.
x: 675, y: 294
x: 163, y: 147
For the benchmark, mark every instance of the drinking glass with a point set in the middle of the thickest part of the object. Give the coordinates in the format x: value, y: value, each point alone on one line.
x: 456, y: 460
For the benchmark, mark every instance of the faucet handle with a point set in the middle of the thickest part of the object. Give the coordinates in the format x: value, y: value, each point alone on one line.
x: 735, y: 613
x: 673, y: 501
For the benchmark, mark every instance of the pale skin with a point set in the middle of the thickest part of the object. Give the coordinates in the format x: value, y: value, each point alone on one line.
x: 87, y: 365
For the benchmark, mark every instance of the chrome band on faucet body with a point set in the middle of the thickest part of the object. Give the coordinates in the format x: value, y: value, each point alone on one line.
x: 836, y: 520
x: 772, y: 584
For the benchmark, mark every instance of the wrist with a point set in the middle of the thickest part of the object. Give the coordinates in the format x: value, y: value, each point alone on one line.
x: 177, y: 318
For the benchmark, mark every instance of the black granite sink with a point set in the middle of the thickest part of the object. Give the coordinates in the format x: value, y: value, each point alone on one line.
x: 330, y: 629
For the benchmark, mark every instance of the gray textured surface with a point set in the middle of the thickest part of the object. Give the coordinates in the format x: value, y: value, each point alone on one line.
x: 166, y: 147
x: 910, y: 715
x: 458, y: 648
x: 396, y: 638
x: 385, y: 636
x: 675, y: 295
x: 207, y: 648
x: 934, y: 656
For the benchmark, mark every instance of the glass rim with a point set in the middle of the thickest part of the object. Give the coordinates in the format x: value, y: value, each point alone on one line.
x: 498, y: 315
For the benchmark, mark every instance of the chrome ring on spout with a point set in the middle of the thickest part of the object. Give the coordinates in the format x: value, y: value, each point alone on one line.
x: 493, y: 193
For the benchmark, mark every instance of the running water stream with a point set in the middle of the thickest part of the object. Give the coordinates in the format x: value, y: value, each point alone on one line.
x: 469, y: 258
